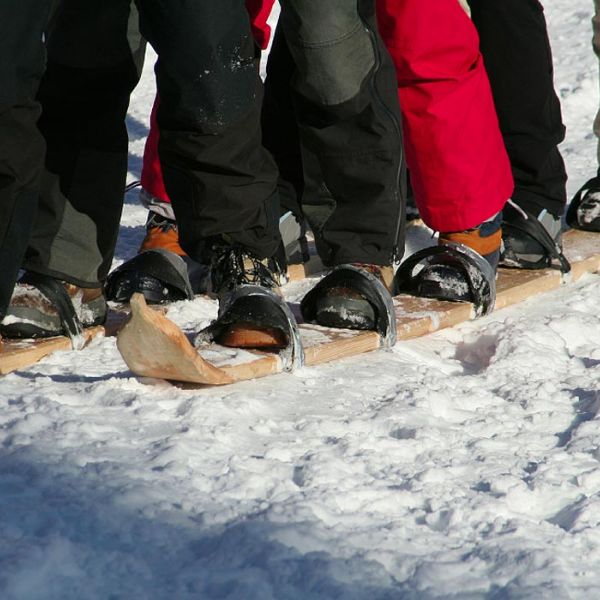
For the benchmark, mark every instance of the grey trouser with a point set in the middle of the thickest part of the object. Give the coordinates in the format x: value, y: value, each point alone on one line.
x: 331, y: 84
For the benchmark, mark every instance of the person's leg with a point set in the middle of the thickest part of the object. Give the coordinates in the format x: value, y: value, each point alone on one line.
x: 94, y: 61
x: 516, y: 50
x: 459, y: 168
x: 584, y: 209
x: 342, y: 94
x: 95, y: 55
x: 220, y: 179
x: 161, y: 227
x: 22, y: 148
x: 347, y: 111
x: 458, y: 165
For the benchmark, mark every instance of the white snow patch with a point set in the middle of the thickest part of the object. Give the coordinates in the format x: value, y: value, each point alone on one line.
x: 461, y: 465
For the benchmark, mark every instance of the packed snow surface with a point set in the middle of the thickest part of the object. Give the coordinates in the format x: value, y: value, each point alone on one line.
x: 461, y: 465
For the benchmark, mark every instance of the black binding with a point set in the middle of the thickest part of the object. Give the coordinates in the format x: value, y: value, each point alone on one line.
x: 479, y: 274
x: 261, y: 307
x: 522, y: 220
x: 367, y: 285
x: 55, y: 292
x: 160, y: 275
x: 592, y: 185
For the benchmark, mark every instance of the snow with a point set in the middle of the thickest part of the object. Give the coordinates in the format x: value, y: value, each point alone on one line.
x: 460, y: 465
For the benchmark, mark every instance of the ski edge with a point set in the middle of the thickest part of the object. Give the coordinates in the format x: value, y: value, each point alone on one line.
x: 14, y: 357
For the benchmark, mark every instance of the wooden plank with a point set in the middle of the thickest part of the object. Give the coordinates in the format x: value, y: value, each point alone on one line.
x: 515, y: 286
x: 17, y: 354
x: 20, y: 354
x: 342, y: 347
x: 415, y: 317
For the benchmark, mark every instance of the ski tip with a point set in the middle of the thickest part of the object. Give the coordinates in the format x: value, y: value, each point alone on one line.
x: 138, y: 303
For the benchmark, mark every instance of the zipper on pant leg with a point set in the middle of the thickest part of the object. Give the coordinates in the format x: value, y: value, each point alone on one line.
x: 396, y: 254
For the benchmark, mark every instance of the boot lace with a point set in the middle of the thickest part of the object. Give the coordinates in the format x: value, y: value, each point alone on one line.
x: 233, y: 267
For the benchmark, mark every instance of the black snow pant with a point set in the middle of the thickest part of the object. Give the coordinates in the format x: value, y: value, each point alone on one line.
x: 221, y: 180
x: 516, y: 50
x: 331, y: 119
x: 22, y: 57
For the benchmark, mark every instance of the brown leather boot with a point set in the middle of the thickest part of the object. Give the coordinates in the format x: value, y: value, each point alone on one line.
x: 161, y: 233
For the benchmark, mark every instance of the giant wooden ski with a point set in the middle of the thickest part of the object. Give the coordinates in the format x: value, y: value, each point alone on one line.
x: 19, y: 354
x: 153, y: 346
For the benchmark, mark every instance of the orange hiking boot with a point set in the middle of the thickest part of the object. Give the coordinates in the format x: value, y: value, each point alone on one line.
x: 162, y: 233
x: 445, y: 279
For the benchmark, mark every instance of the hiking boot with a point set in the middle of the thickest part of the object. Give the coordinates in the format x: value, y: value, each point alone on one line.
x: 42, y: 306
x: 531, y: 242
x: 346, y: 306
x: 161, y: 233
x: 584, y: 210
x: 247, y: 323
x: 444, y: 276
x: 232, y: 267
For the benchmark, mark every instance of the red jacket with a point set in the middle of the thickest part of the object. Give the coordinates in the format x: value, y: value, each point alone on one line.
x: 459, y: 169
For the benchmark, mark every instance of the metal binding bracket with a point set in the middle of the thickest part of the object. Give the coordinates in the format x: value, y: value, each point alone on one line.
x: 591, y: 186
x: 479, y: 274
x: 159, y: 274
x: 367, y: 285
x: 523, y: 221
x: 58, y: 296
x: 253, y: 302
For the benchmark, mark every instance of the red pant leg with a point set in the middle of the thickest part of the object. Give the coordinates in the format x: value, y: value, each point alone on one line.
x: 152, y: 178
x: 458, y: 164
x: 259, y: 11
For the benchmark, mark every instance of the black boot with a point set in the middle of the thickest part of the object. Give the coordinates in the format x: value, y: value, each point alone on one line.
x: 252, y: 313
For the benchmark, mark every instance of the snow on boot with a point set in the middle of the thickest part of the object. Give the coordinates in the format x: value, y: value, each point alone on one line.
x: 531, y: 242
x: 584, y: 210
x: 246, y: 320
x: 462, y: 268
x: 354, y: 296
x: 42, y: 306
